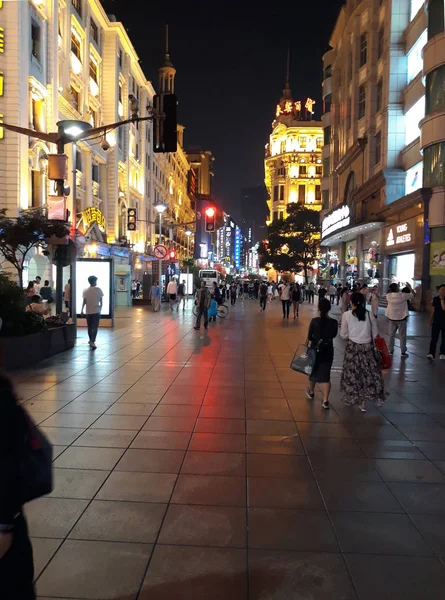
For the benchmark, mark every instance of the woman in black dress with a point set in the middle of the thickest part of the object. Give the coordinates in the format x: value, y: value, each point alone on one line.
x: 322, y: 331
x: 296, y: 298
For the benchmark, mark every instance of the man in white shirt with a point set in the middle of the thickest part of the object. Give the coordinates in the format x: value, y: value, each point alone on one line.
x: 172, y: 291
x: 397, y: 314
x: 37, y: 285
x: 332, y: 293
x: 92, y: 302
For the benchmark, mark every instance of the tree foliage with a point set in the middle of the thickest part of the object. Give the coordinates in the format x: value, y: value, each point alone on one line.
x: 18, y: 236
x: 293, y: 243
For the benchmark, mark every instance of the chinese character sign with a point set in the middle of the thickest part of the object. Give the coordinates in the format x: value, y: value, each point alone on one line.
x: 309, y: 104
x: 93, y: 215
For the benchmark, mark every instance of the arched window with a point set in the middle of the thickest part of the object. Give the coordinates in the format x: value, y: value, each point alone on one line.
x: 348, y: 195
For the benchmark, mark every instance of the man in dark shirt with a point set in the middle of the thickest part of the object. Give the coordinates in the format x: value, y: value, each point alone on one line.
x: 202, y: 302
x: 437, y: 323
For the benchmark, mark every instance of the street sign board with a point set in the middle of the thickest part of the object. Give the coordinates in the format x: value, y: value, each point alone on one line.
x: 171, y: 270
x: 160, y: 251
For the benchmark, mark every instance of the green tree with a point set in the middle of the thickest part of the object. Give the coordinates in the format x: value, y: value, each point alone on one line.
x: 18, y: 236
x: 293, y: 243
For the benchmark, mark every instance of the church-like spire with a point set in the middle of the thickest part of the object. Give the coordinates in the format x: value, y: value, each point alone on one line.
x: 167, y: 71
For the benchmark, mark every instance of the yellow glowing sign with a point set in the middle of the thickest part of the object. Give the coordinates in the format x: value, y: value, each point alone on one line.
x: 298, y: 106
x: 309, y: 104
x: 93, y: 215
x: 278, y: 111
x: 2, y: 131
x: 2, y: 40
x: 1, y: 83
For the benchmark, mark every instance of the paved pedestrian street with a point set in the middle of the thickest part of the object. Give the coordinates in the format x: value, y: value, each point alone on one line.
x: 189, y: 465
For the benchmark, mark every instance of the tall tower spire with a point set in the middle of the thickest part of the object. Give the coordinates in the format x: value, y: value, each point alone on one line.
x: 287, y: 94
x: 167, y: 72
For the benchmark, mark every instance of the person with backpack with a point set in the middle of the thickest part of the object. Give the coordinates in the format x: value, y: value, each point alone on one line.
x: 181, y: 295
x: 16, y: 556
x: 263, y: 295
x: 322, y: 331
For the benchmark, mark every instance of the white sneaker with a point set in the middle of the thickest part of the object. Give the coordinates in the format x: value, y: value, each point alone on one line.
x: 430, y: 356
x: 442, y: 356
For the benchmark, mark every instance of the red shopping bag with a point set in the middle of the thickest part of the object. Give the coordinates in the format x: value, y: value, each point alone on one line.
x: 383, y: 355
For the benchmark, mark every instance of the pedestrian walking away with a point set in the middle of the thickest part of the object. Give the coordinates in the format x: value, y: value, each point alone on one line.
x: 92, y: 303
x: 233, y: 294
x: 155, y: 296
x: 374, y: 301
x: 181, y: 295
x: 16, y: 558
x: 202, y: 301
x: 322, y: 291
x: 397, y: 313
x: 285, y: 299
x: 344, y: 300
x: 296, y: 299
x: 437, y: 323
x: 270, y: 292
x: 339, y: 289
x: 263, y: 295
x: 322, y: 331
x: 172, y: 292
x: 362, y: 379
x: 332, y: 293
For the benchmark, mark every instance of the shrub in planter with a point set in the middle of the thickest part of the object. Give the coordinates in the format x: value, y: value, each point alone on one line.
x: 16, y: 321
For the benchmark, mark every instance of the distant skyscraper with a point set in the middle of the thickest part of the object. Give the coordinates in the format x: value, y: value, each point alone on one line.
x: 254, y: 212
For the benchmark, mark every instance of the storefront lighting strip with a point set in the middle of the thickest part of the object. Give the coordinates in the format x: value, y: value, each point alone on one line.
x: 348, y: 234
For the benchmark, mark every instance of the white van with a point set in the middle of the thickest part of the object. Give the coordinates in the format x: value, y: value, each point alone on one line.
x: 210, y: 276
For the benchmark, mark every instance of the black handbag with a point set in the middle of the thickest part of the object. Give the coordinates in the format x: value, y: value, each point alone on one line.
x: 36, y: 469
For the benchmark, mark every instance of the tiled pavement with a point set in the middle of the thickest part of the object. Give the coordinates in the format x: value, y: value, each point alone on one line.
x: 175, y: 478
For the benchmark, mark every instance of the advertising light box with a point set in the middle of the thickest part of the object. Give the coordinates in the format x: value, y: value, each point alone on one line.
x: 102, y: 269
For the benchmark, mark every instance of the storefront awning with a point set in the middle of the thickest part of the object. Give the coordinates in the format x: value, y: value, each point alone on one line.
x: 350, y: 233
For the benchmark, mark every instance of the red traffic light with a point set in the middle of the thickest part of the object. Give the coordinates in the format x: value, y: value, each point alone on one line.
x: 210, y: 225
x: 172, y: 255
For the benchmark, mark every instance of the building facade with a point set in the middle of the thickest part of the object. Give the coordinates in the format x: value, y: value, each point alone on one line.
x: 66, y: 59
x: 375, y: 217
x: 293, y: 159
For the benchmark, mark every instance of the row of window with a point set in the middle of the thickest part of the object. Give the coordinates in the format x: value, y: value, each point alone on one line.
x: 278, y: 193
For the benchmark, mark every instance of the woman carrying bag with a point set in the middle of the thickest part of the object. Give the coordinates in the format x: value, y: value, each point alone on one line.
x: 362, y: 379
x: 322, y: 331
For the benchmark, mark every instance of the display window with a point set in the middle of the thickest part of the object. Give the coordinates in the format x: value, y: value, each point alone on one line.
x: 401, y: 269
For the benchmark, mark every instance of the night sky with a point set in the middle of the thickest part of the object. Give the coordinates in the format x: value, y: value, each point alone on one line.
x: 231, y: 66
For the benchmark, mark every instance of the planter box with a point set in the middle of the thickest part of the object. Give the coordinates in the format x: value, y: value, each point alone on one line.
x: 26, y: 350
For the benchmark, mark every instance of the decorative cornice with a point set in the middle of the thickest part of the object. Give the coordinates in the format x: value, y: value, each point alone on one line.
x: 356, y: 149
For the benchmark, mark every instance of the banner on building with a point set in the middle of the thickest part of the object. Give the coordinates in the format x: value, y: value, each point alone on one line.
x: 437, y: 258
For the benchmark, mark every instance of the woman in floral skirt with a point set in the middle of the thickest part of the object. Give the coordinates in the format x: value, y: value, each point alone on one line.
x: 362, y: 379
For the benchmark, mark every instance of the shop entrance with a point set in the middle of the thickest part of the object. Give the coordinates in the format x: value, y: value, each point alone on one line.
x: 401, y: 269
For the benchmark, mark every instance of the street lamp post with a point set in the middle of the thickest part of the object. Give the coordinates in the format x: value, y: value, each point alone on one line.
x: 188, y: 233
x: 161, y: 208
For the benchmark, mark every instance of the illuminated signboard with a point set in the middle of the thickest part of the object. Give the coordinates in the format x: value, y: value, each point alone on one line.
x: 336, y: 220
x: 93, y: 215
x: 228, y: 243
x: 237, y: 247
x: 400, y: 235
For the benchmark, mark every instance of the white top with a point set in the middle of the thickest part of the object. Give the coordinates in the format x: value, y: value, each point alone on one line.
x: 285, y: 292
x: 374, y: 303
x: 397, y: 305
x: 93, y: 296
x: 358, y: 331
x: 332, y: 290
x: 172, y: 288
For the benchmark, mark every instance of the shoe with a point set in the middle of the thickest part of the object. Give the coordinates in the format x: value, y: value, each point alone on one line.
x: 405, y: 354
x: 93, y: 346
x: 205, y: 326
x: 362, y: 408
x: 196, y: 328
x: 391, y: 353
x: 430, y: 356
x: 325, y: 405
x: 442, y: 356
x: 309, y: 395
x: 89, y: 342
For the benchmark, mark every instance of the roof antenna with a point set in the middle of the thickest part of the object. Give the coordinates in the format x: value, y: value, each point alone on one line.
x: 166, y: 39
